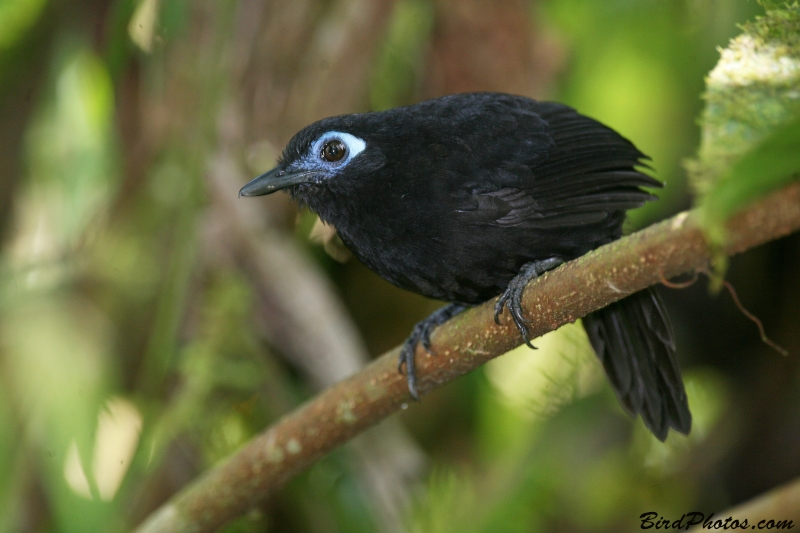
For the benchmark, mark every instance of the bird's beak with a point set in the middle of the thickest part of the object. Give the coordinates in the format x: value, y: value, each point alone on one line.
x: 275, y: 180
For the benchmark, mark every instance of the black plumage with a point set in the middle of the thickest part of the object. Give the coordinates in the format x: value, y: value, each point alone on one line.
x: 469, y: 196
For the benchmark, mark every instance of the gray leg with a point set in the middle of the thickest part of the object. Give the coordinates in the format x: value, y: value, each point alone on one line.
x: 512, y: 297
x: 422, y: 334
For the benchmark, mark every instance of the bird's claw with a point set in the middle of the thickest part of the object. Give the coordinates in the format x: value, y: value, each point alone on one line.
x: 421, y: 334
x: 407, y: 358
x: 511, y: 299
x: 499, y: 305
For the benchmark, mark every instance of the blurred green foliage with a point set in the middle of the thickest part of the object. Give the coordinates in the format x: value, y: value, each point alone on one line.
x: 750, y: 123
x: 72, y: 154
x: 771, y: 163
x: 397, y: 71
x: 132, y: 337
x: 17, y: 17
x: 750, y: 92
x: 638, y: 67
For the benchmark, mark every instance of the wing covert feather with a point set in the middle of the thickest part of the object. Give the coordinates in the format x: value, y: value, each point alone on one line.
x: 588, y: 173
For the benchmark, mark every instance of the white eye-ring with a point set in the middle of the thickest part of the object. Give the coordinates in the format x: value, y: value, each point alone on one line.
x: 338, y: 147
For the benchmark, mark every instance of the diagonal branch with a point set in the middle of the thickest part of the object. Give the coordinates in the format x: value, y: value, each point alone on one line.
x: 781, y: 504
x: 666, y: 249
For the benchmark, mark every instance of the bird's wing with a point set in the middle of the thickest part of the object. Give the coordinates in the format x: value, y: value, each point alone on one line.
x: 587, y: 173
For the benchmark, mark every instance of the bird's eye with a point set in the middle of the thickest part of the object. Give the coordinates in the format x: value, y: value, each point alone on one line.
x: 333, y: 150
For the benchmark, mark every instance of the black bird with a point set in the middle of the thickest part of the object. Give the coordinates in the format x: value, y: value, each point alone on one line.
x: 469, y: 196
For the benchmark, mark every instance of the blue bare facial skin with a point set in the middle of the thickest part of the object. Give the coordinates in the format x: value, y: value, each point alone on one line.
x: 470, y: 196
x: 327, y: 156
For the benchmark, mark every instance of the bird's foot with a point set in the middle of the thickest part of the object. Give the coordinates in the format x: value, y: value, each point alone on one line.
x: 421, y: 334
x: 512, y: 297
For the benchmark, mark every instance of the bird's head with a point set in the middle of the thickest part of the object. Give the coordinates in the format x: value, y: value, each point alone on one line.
x: 332, y: 151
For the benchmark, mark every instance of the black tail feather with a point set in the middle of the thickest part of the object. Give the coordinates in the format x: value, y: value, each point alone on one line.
x: 633, y: 339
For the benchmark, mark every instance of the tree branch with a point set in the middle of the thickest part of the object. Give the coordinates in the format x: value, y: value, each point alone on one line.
x: 779, y: 504
x: 666, y: 249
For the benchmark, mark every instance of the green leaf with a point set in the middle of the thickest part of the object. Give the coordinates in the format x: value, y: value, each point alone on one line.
x: 772, y: 163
